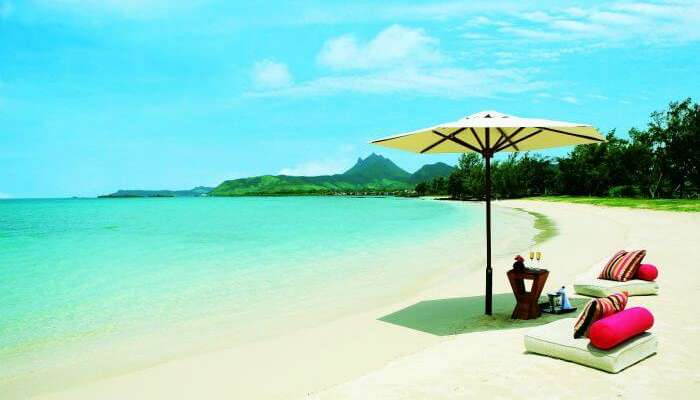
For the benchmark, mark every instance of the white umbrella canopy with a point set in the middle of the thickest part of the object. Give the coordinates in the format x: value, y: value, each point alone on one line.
x: 504, y: 132
x: 487, y: 133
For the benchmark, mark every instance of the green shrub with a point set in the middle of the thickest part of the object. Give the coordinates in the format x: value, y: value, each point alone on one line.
x: 624, y: 191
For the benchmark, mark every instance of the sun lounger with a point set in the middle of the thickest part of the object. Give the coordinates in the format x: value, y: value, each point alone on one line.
x: 556, y: 340
x: 588, y: 284
x: 595, y: 287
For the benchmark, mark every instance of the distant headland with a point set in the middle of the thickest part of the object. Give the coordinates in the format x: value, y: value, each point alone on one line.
x: 375, y: 174
x: 195, y: 192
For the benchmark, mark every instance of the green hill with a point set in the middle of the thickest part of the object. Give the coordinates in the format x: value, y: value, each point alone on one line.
x: 429, y: 172
x: 374, y: 174
x: 285, y: 185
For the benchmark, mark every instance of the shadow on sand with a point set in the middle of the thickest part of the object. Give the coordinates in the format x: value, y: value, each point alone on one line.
x: 466, y: 314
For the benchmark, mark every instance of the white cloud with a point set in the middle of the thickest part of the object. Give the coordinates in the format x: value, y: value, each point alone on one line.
x: 476, y: 36
x: 529, y: 33
x: 395, y: 45
x: 501, y: 40
x: 400, y: 60
x: 616, y: 18
x: 537, y: 16
x: 5, y: 196
x: 481, y: 20
x: 546, y: 96
x: 617, y: 24
x: 575, y: 26
x: 621, y: 22
x: 6, y: 9
x: 268, y: 74
x: 669, y: 9
x: 448, y: 82
x: 576, y: 12
x: 318, y: 167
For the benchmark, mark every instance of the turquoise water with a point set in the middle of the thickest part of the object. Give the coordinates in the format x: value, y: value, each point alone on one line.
x: 114, y: 276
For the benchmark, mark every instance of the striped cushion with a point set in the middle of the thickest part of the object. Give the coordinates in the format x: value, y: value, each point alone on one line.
x: 611, y: 263
x: 598, y: 309
x: 623, y: 265
x: 608, y: 306
x: 585, y: 319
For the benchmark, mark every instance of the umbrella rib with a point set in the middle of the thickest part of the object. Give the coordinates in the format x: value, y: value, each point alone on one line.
x: 506, y: 139
x: 444, y: 138
x: 500, y: 140
x: 477, y: 137
x: 520, y: 140
x: 458, y: 141
x: 391, y: 138
x: 571, y: 134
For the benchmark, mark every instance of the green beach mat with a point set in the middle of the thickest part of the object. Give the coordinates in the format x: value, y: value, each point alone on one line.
x: 458, y: 315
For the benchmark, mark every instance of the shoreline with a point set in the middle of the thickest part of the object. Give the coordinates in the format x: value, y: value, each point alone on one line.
x: 377, y: 335
x: 495, y: 365
x: 547, y: 227
x: 359, y: 356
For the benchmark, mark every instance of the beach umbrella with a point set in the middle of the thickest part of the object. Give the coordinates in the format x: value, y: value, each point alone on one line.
x: 487, y: 133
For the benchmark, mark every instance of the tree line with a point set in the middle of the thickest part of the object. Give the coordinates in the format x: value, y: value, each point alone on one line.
x: 661, y: 161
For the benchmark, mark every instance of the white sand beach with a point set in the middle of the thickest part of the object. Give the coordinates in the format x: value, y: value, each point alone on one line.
x: 362, y: 357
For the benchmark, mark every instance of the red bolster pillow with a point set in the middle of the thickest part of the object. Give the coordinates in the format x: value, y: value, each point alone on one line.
x: 647, y: 272
x: 610, y: 331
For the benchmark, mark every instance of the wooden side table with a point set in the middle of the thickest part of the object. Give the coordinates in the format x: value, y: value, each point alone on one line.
x: 527, y: 306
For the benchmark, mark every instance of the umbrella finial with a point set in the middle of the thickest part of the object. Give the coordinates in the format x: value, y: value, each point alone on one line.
x: 487, y: 114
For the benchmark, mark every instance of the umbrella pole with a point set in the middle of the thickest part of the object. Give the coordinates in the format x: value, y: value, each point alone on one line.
x: 489, y: 272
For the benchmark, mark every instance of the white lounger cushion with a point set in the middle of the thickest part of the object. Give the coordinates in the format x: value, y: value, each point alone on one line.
x: 601, y: 288
x: 556, y: 339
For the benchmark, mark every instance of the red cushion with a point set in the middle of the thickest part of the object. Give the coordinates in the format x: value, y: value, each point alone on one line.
x: 608, y: 332
x: 647, y: 272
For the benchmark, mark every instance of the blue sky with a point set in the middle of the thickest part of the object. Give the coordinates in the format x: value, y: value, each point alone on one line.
x: 101, y: 95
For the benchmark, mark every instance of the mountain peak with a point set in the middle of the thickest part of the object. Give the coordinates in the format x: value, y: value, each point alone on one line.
x: 371, y: 158
x: 376, y: 166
